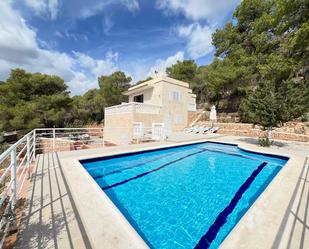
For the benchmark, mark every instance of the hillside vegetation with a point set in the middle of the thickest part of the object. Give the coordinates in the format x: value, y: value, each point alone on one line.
x: 260, y: 70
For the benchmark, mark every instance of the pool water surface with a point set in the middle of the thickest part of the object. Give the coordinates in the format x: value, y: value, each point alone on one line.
x: 188, y: 196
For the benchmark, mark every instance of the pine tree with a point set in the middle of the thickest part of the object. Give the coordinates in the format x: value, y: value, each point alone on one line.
x: 271, y: 104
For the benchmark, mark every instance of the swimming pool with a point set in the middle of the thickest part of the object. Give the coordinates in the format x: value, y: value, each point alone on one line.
x: 188, y: 196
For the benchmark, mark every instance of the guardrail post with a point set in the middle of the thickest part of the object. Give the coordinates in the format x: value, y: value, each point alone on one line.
x: 103, y: 137
x: 34, y: 144
x: 13, y: 177
x: 54, y: 139
x: 28, y: 156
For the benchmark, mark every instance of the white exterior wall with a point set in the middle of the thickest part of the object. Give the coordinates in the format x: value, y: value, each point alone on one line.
x: 152, y: 96
x: 173, y: 112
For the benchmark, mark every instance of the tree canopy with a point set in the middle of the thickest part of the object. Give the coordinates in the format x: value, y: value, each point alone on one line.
x: 266, y: 43
x: 112, y: 86
x: 31, y: 100
x: 183, y: 70
x: 260, y: 70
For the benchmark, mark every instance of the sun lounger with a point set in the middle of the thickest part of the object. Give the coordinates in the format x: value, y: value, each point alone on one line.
x: 202, y: 129
x: 191, y: 129
x: 197, y: 129
x: 213, y: 130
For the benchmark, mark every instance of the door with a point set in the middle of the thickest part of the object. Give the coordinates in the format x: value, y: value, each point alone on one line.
x: 158, y: 131
x: 168, y: 124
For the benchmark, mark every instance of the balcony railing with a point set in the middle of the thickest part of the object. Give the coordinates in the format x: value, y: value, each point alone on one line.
x: 133, y: 107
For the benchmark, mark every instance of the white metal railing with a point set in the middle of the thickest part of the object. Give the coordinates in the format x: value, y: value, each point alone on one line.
x: 16, y: 161
x: 133, y: 107
x: 64, y: 139
x: 15, y: 165
x: 154, y: 133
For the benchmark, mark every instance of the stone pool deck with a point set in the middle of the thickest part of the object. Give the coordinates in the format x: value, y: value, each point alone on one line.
x: 51, y: 219
x: 62, y: 208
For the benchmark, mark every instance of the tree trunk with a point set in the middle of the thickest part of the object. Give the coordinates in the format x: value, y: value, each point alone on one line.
x: 269, y: 129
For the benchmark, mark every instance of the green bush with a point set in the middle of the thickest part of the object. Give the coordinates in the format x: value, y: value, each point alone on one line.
x: 304, y: 118
x: 265, y: 142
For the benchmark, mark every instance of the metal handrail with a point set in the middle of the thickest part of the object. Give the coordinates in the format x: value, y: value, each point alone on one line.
x: 22, y: 153
x: 20, y: 156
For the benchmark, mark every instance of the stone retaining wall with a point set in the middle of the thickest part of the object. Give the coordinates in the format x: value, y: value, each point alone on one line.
x: 249, y: 130
x: 45, y: 145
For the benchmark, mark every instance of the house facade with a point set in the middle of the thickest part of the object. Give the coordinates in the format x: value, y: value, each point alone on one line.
x: 160, y: 102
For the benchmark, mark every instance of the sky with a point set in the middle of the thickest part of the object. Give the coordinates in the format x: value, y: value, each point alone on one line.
x: 80, y: 40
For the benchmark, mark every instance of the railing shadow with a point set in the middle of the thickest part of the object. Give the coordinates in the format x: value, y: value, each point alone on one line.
x: 296, y: 216
x: 50, y: 211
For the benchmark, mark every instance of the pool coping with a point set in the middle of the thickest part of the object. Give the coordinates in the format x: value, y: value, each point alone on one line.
x: 116, y: 231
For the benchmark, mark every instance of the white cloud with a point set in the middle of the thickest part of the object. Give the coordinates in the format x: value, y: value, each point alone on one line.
x: 85, y: 60
x: 141, y: 69
x: 17, y: 41
x: 19, y: 47
x: 160, y: 64
x: 212, y: 10
x: 87, y: 70
x: 43, y: 7
x: 71, y: 36
x: 92, y: 7
x: 132, y: 5
x: 77, y: 8
x: 90, y: 69
x: 107, y: 24
x: 81, y: 83
x: 199, y: 39
x: 197, y: 34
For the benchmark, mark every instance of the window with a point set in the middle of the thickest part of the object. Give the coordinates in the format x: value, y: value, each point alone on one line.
x: 139, y: 98
x: 174, y: 96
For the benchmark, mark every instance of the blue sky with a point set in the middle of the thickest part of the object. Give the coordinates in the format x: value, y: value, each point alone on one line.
x: 80, y: 40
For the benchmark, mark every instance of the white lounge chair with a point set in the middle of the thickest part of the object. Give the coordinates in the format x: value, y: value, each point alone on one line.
x: 202, y: 129
x: 191, y: 129
x: 213, y: 129
x: 205, y: 130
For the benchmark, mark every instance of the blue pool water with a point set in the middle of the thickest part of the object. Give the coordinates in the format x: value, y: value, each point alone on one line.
x: 185, y: 197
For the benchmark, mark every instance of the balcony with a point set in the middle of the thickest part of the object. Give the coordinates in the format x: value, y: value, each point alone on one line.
x: 133, y: 107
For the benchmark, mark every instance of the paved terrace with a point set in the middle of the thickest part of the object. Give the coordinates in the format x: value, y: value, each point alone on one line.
x: 51, y: 219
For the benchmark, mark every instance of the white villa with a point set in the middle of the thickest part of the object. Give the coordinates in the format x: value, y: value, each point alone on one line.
x: 162, y: 102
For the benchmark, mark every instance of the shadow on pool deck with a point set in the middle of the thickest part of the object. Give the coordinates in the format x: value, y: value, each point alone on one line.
x: 50, y: 219
x: 255, y: 141
x: 294, y: 228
